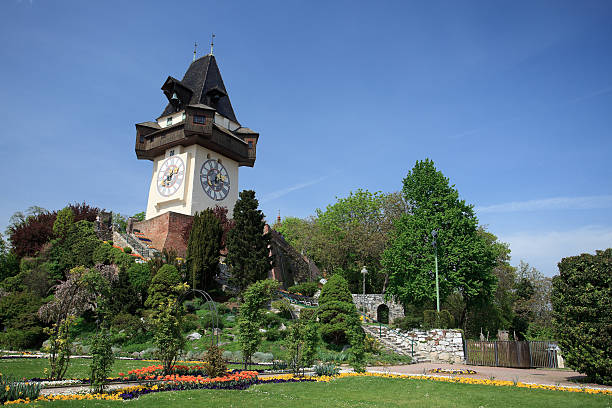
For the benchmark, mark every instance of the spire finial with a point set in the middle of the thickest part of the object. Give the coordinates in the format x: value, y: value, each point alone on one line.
x: 212, y: 43
x: 195, y: 47
x: 278, y: 219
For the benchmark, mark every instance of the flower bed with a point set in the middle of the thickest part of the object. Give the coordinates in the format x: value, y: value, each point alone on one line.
x: 451, y: 371
x: 154, y: 371
x: 244, y: 379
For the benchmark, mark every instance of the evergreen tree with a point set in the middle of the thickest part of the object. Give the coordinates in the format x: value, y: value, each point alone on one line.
x: 465, y: 259
x: 203, y: 249
x: 247, y: 245
x: 337, y: 312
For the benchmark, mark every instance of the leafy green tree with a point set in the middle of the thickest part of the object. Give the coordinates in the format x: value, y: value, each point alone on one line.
x: 356, y: 338
x: 165, y: 284
x: 465, y: 260
x: 139, y: 276
x: 63, y: 222
x: 140, y: 216
x: 532, y: 305
x: 167, y: 315
x: 75, y: 248
x: 9, y: 263
x: 166, y: 322
x: 203, y: 249
x: 247, y: 245
x: 337, y: 312
x: 582, y: 301
x: 19, y: 327
x: 251, y: 317
x: 302, y: 341
x: 101, y: 360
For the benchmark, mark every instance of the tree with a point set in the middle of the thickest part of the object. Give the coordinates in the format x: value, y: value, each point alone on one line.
x: 84, y: 289
x: 9, y: 264
x: 19, y: 327
x: 248, y: 247
x: 302, y: 341
x: 165, y: 284
x: 251, y: 317
x: 139, y: 276
x: 101, y: 360
x: 203, y: 249
x: 63, y: 222
x: 167, y: 315
x: 337, y: 312
x: 582, y: 301
x: 29, y: 232
x: 75, y: 248
x: 465, y: 260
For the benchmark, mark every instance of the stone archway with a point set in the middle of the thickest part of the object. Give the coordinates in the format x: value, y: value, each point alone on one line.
x: 370, y: 303
x: 382, y: 313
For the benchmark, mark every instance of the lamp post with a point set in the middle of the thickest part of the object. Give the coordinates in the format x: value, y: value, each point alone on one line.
x: 364, y: 271
x: 434, y: 234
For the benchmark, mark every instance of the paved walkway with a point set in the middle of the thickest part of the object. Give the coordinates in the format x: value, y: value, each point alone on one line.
x: 526, y: 375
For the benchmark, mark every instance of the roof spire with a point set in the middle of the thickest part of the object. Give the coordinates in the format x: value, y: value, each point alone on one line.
x: 195, y: 46
x: 212, y: 43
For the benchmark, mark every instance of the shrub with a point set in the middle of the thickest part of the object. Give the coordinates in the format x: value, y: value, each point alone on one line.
x: 274, y: 334
x: 305, y: 289
x: 284, y: 309
x: 20, y: 327
x: 407, y: 323
x: 434, y: 320
x: 191, y: 323
x: 337, y: 312
x: 326, y: 369
x: 130, y: 325
x: 371, y: 345
x: 216, y: 366
x: 206, y: 321
x: 582, y: 301
x: 101, y: 361
x: 259, y: 357
x: 127, y: 250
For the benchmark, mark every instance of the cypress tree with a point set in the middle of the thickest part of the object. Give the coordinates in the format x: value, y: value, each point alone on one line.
x: 203, y: 249
x: 247, y: 245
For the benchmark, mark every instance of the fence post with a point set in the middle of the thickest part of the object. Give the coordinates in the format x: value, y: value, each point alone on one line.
x: 496, y: 356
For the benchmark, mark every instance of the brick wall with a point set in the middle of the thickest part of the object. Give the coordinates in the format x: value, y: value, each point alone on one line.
x: 166, y: 231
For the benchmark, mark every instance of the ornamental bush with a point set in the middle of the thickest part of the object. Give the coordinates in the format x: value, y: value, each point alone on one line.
x: 306, y: 288
x: 582, y: 302
x: 337, y: 312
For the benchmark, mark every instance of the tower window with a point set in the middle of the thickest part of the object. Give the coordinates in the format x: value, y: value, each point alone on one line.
x: 199, y: 119
x: 250, y: 144
x: 183, y: 116
x: 169, y: 121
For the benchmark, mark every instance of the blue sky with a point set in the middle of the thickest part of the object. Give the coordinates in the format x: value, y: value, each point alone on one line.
x: 512, y: 100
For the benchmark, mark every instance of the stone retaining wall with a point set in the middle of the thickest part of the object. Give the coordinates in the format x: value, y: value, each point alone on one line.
x: 437, y: 345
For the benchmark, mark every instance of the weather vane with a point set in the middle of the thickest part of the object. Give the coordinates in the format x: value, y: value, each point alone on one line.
x: 195, y: 47
x: 212, y: 43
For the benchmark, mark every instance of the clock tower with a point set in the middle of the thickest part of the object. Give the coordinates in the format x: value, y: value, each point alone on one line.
x: 197, y: 146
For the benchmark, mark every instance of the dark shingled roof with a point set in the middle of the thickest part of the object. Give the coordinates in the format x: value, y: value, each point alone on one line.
x: 204, y: 79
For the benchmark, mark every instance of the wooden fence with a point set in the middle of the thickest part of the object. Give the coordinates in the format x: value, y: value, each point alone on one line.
x: 519, y: 354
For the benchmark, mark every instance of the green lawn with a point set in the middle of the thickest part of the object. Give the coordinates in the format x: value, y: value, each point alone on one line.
x: 79, y: 367
x: 361, y: 392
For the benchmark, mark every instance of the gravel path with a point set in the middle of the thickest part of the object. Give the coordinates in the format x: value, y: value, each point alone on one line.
x: 526, y: 375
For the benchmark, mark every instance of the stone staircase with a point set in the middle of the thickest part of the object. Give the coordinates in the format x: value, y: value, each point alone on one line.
x: 390, y: 341
x: 137, y: 241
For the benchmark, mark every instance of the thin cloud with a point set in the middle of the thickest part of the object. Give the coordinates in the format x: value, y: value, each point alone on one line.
x: 556, y: 203
x: 545, y: 249
x: 279, y: 193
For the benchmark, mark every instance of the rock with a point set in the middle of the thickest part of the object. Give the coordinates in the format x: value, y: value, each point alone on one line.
x: 444, y: 357
x: 194, y: 336
x: 262, y: 330
x: 46, y: 343
x: 282, y: 327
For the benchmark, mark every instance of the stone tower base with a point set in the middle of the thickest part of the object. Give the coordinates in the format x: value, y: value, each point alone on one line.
x: 166, y: 231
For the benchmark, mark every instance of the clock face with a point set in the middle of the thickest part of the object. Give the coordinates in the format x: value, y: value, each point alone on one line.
x: 170, y: 176
x: 215, y: 180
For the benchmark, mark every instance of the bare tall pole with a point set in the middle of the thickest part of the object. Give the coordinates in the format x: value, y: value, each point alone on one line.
x: 434, y: 234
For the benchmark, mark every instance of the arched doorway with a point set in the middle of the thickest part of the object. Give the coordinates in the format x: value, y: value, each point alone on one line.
x: 382, y: 313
